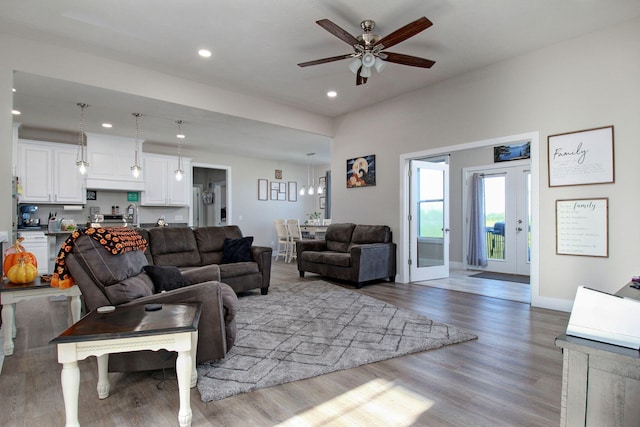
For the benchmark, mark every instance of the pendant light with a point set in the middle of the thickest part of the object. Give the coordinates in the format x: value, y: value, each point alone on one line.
x: 136, y: 168
x: 179, y: 172
x: 309, y: 189
x: 81, y: 160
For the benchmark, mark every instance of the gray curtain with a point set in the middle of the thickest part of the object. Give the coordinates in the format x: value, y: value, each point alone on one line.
x: 477, y: 253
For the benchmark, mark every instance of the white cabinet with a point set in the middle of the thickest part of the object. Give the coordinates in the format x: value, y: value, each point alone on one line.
x: 110, y: 160
x: 161, y: 187
x: 48, y: 173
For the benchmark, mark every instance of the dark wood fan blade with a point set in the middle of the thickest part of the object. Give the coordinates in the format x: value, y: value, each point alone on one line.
x: 338, y: 32
x: 405, y: 32
x: 325, y: 60
x: 359, y: 79
x: 413, y: 61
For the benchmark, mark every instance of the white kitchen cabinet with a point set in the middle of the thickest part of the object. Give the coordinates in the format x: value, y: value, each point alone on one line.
x: 161, y: 187
x: 110, y: 160
x: 48, y: 173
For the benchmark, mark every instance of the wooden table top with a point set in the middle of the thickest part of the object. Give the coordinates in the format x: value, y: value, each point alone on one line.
x: 7, y: 286
x: 133, y: 321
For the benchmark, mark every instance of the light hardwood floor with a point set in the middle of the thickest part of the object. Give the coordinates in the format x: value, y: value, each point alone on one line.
x: 510, y: 376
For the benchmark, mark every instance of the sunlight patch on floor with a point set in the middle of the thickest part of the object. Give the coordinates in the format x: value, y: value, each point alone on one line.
x: 377, y: 403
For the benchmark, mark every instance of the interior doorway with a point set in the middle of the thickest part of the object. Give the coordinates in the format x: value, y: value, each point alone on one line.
x: 211, y: 203
x: 456, y: 263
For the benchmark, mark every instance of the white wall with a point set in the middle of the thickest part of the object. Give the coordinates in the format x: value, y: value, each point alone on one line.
x: 583, y: 83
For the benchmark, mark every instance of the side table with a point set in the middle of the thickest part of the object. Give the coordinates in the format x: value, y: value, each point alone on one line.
x: 131, y: 328
x: 11, y: 293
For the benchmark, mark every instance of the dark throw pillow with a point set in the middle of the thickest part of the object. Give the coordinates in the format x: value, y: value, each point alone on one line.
x: 237, y: 250
x: 165, y: 278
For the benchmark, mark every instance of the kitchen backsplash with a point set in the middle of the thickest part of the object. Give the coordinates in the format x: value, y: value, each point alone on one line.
x: 105, y: 200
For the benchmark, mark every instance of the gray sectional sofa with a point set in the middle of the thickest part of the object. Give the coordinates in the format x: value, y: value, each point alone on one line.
x: 355, y: 253
x: 187, y: 248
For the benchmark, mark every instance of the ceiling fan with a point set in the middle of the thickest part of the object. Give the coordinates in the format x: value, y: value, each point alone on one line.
x: 369, y: 49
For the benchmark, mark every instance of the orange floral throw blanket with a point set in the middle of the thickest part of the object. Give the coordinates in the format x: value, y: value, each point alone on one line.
x: 116, y: 240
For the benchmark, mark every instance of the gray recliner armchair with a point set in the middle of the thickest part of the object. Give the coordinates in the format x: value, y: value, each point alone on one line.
x: 107, y: 279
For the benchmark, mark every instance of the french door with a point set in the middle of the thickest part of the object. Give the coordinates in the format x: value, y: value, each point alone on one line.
x: 507, y: 218
x: 429, y: 221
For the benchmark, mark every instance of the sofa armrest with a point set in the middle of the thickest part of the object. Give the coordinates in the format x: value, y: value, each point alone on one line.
x: 219, y: 305
x: 374, y: 260
x: 206, y: 273
x: 262, y: 255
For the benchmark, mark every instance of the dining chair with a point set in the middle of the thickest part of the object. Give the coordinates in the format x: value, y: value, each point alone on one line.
x: 283, y: 239
x: 295, y: 234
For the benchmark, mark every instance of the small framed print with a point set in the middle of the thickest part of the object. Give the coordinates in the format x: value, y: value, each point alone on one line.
x: 262, y: 189
x: 278, y: 174
x: 323, y: 202
x: 293, y: 191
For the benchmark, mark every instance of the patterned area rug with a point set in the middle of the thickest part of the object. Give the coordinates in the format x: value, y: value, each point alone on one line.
x: 301, y: 330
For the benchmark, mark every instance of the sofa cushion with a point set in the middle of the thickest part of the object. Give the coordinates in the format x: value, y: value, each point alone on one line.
x: 363, y: 234
x: 129, y: 289
x: 237, y: 250
x: 338, y: 259
x: 174, y: 246
x: 338, y: 237
x: 210, y: 241
x: 166, y: 277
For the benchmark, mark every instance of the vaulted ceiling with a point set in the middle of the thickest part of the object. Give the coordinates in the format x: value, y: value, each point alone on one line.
x: 256, y: 45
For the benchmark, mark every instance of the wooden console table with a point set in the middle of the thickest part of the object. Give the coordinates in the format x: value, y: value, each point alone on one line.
x: 600, y: 381
x: 130, y: 328
x: 11, y: 293
x: 313, y: 231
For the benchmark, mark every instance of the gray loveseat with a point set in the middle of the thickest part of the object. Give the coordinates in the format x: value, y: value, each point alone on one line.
x: 355, y: 253
x: 187, y: 248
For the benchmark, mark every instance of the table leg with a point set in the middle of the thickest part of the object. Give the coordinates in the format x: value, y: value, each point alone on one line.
x: 70, y: 378
x: 194, y: 348
x: 75, y: 307
x: 183, y: 371
x: 103, y: 376
x: 9, y: 326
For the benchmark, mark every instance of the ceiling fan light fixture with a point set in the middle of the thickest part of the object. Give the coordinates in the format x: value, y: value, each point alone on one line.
x: 365, y: 72
x: 380, y: 64
x: 354, y: 65
x: 368, y: 60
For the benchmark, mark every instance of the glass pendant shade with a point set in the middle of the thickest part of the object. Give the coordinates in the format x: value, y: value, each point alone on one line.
x: 302, y: 191
x: 380, y: 64
x: 368, y: 60
x: 354, y: 65
x: 310, y: 192
x: 365, y: 72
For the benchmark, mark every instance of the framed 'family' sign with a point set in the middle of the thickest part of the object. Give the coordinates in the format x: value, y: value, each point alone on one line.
x: 582, y: 227
x: 583, y: 157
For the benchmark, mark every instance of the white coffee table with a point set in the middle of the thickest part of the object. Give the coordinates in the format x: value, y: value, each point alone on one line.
x: 11, y: 293
x: 130, y: 328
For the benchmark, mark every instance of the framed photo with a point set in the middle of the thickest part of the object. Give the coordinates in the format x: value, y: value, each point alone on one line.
x: 278, y: 174
x: 582, y: 157
x: 91, y: 195
x: 516, y: 151
x: 262, y: 189
x: 275, y: 189
x: 582, y: 227
x: 361, y: 171
x: 293, y: 191
x: 323, y: 202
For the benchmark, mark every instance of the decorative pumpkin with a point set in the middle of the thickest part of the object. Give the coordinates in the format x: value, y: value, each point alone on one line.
x: 13, y: 254
x: 22, y: 272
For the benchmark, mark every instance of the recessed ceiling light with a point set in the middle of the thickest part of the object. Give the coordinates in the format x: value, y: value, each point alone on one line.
x: 107, y: 125
x: 13, y: 89
x: 15, y: 112
x: 332, y: 94
x: 204, y: 53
